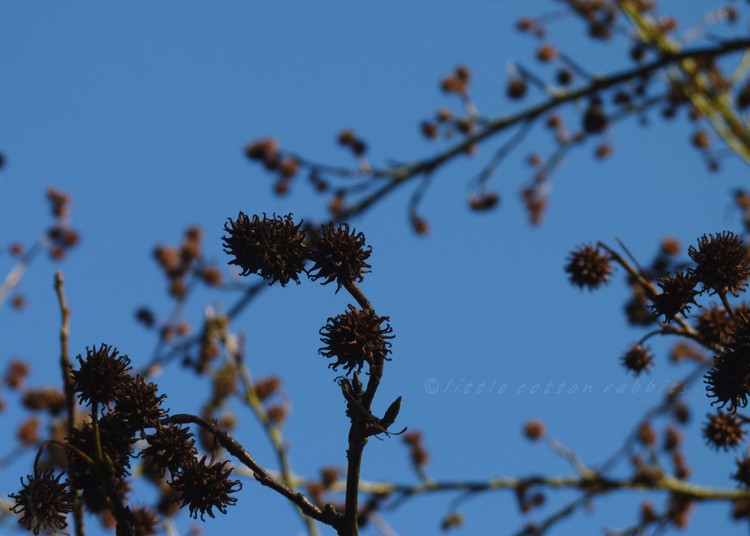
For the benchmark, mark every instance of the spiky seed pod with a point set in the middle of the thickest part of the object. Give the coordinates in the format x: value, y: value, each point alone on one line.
x: 714, y: 325
x: 637, y: 359
x: 204, y: 487
x: 729, y: 379
x: 356, y: 337
x: 722, y: 263
x: 723, y: 431
x: 339, y: 255
x: 138, y: 405
x: 743, y: 471
x: 588, y: 267
x: 101, y: 375
x: 43, y: 502
x: 272, y: 247
x: 170, y: 448
x: 116, y: 443
x: 146, y: 521
x: 677, y: 293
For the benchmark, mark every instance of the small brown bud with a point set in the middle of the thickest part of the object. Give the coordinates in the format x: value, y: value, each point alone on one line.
x: 546, y: 52
x: 534, y: 430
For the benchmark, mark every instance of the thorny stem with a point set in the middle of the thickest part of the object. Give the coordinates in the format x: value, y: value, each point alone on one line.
x: 69, y: 386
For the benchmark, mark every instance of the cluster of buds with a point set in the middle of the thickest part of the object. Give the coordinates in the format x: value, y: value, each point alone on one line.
x: 180, y: 262
x: 61, y: 235
x: 267, y: 151
x: 418, y: 454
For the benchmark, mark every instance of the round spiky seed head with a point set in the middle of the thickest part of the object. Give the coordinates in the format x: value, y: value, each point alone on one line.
x: 101, y: 375
x: 272, y: 247
x: 729, y: 379
x: 43, y: 502
x: 637, y: 359
x: 677, y: 294
x: 138, y: 404
x: 723, y: 431
x: 743, y: 471
x: 339, y: 255
x: 170, y: 448
x: 714, y: 325
x: 722, y: 263
x: 356, y: 337
x: 588, y: 267
x: 204, y: 487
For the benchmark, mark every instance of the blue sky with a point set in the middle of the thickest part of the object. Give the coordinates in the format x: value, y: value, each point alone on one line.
x: 141, y: 113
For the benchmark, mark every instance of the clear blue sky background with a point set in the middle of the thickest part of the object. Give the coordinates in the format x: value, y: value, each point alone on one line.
x: 141, y: 113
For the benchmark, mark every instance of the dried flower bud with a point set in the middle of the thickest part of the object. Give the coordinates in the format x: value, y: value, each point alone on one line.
x: 339, y: 255
x: 453, y: 84
x: 272, y: 248
x: 516, y: 87
x: 356, y: 337
x: 595, y: 120
x: 60, y: 202
x: 145, y: 316
x: 463, y: 73
x: 429, y: 129
x: 564, y: 77
x: 329, y: 476
x: 443, y: 115
x: 484, y: 201
x: 701, y: 140
x: 546, y: 52
x: 534, y: 430
x: 452, y: 520
x: 588, y: 267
